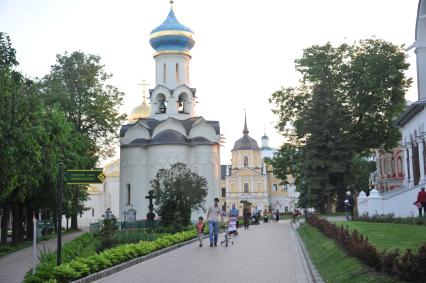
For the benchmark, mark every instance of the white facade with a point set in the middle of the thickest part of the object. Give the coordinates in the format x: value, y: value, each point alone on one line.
x: 412, y: 123
x: 103, y: 196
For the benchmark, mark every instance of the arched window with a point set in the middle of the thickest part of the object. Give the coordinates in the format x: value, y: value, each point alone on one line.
x: 246, y: 188
x: 399, y: 165
x: 246, y: 161
x: 128, y: 194
x: 162, y: 104
x: 393, y: 167
x: 182, y: 100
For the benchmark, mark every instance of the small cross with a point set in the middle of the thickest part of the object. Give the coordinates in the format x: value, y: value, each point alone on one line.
x: 144, y: 84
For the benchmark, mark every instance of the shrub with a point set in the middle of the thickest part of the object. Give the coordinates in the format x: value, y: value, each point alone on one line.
x: 390, y: 218
x: 65, y: 273
x: 80, y: 267
x: 91, y: 263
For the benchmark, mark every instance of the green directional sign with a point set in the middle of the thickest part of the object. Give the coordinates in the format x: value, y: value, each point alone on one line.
x: 84, y: 176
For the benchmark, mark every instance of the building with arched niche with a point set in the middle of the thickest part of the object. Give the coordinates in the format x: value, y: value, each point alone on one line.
x: 389, y: 174
x: 168, y: 131
x: 249, y: 180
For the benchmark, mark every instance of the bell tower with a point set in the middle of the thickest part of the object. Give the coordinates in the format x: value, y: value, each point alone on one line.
x: 172, y: 95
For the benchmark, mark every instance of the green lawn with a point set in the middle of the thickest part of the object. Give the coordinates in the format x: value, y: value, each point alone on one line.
x: 334, y: 265
x: 390, y: 236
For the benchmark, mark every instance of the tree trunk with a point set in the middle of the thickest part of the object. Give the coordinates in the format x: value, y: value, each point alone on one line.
x: 5, y: 223
x: 74, y: 224
x: 21, y: 218
x: 15, y: 223
x: 29, y: 223
x: 67, y: 221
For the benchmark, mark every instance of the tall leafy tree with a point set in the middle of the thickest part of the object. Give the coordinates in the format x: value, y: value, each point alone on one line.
x: 363, y: 85
x: 78, y: 84
x: 178, y: 191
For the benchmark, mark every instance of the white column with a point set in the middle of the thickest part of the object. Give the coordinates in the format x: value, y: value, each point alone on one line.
x: 421, y: 160
x: 410, y: 161
x: 404, y: 165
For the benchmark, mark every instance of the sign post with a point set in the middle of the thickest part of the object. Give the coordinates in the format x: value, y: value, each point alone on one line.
x: 81, y: 177
x: 84, y: 177
x: 59, y: 213
x: 34, y: 243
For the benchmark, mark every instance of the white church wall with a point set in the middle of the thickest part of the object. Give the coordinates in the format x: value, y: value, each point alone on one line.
x: 203, y: 130
x: 112, y: 195
x: 169, y: 124
x: 397, y: 202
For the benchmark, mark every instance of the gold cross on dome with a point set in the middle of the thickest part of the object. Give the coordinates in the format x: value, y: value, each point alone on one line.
x: 144, y: 84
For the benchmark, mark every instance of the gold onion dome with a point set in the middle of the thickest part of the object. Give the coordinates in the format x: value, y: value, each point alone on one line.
x: 140, y: 111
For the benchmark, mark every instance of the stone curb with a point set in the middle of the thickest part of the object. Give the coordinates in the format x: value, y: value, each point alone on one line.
x: 316, y: 277
x: 109, y: 271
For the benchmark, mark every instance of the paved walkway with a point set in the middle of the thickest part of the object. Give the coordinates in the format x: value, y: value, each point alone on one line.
x: 265, y: 253
x: 13, y: 267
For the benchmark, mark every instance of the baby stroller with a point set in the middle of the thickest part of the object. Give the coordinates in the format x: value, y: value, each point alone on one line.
x: 231, y: 231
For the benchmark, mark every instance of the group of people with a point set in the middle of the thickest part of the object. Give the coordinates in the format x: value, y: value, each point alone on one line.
x: 215, y: 213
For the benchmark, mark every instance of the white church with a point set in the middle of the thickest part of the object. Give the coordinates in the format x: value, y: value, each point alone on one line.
x: 161, y: 133
x: 412, y: 123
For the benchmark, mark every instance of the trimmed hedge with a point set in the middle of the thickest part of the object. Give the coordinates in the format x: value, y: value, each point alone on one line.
x: 410, y: 266
x: 81, y: 267
x: 390, y: 218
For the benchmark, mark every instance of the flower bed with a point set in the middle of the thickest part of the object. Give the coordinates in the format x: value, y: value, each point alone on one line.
x: 409, y: 266
x: 81, y: 267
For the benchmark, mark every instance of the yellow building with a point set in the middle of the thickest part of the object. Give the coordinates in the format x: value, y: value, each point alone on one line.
x: 249, y: 180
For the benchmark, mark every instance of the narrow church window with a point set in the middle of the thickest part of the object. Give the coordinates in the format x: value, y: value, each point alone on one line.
x: 177, y: 73
x: 128, y: 194
x: 164, y: 72
x: 246, y: 187
x: 274, y: 187
x: 245, y: 161
x: 93, y: 212
x: 223, y: 192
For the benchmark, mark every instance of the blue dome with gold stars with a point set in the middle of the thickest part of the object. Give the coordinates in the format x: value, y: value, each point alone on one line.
x: 172, y: 36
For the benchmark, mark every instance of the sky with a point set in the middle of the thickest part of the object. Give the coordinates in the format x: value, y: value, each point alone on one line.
x: 244, y: 49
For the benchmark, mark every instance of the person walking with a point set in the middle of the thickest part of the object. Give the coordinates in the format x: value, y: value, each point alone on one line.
x: 265, y: 216
x: 246, y: 217
x: 348, y: 210
x: 274, y: 215
x: 213, y: 217
x: 351, y: 203
x: 421, y: 201
x: 200, y: 230
x: 277, y: 215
